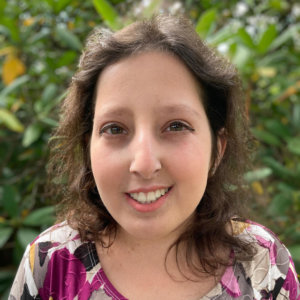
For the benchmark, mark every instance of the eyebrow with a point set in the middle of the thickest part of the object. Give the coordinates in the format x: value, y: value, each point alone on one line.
x: 115, y: 112
x: 178, y: 108
x: 170, y: 109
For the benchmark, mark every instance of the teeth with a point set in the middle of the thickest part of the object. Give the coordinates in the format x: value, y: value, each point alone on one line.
x: 148, y: 197
x: 142, y: 197
x: 151, y: 197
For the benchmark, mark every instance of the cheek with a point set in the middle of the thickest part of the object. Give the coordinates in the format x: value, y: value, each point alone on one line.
x: 190, y: 173
x: 194, y: 155
x: 105, y: 168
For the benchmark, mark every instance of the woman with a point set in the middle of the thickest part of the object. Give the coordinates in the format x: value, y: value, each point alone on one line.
x: 154, y: 143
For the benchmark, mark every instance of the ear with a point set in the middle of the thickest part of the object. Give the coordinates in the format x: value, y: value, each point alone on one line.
x: 221, y: 144
x: 221, y: 147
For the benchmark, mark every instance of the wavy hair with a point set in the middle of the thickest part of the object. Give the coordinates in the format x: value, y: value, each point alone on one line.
x: 219, y: 83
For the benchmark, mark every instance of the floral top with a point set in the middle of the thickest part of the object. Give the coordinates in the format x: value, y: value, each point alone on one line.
x: 58, y: 265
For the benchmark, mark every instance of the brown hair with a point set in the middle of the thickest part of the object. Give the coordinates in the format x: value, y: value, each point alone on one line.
x: 220, y: 85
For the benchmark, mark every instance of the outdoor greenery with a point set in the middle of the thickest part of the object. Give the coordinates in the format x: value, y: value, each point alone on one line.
x: 40, y: 43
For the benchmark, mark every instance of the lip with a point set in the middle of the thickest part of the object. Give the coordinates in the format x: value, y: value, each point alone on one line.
x: 148, y: 207
x: 148, y: 189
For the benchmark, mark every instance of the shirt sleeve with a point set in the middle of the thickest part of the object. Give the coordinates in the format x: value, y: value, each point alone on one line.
x: 281, y: 279
x: 291, y: 286
x: 24, y: 286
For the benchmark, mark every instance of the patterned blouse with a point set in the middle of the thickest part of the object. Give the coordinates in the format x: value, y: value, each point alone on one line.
x: 58, y: 265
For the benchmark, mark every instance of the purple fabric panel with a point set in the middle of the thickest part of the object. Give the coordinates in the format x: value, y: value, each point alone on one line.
x: 65, y: 276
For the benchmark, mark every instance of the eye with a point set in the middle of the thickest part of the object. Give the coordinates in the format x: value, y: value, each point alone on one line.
x: 112, y: 129
x: 178, y: 126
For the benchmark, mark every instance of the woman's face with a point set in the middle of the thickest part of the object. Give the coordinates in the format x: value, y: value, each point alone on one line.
x: 151, y: 144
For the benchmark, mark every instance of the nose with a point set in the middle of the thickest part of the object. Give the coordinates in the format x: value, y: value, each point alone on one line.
x: 145, y: 161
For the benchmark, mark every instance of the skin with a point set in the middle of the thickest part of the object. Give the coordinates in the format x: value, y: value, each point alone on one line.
x: 150, y: 131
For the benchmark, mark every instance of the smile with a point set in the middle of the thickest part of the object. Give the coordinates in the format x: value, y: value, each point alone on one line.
x: 145, y: 198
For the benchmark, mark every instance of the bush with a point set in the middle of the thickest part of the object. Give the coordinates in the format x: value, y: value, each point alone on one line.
x: 41, y: 42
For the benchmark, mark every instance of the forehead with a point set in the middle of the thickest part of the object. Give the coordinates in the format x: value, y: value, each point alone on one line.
x: 149, y: 64
x: 151, y: 76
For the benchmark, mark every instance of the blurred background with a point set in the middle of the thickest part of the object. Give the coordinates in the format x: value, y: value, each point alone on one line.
x: 40, y: 43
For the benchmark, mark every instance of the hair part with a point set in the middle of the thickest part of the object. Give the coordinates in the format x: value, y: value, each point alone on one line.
x: 219, y: 83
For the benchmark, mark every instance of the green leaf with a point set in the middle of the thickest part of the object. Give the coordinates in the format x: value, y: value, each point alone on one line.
x: 48, y: 100
x: 18, y: 251
x: 295, y: 252
x: 285, y: 188
x: 26, y: 236
x: 68, y: 38
x: 12, y: 26
x: 61, y: 4
x: 277, y: 128
x: 108, y: 13
x: 257, y: 174
x: 293, y: 231
x: 49, y: 121
x: 49, y: 92
x: 6, y: 292
x: 245, y: 38
x: 241, y: 57
x: 278, y: 168
x: 7, y: 274
x: 294, y: 145
x: 13, y: 86
x: 41, y: 216
x: 266, y: 137
x: 277, y: 4
x: 285, y: 36
x: 51, y: 3
x: 10, y: 120
x: 6, y: 278
x: 67, y: 58
x: 226, y: 33
x: 280, y: 204
x: 2, y: 8
x: 34, y: 38
x: 205, y: 22
x: 10, y: 201
x: 296, y: 116
x: 32, y: 133
x: 5, y: 234
x: 267, y: 39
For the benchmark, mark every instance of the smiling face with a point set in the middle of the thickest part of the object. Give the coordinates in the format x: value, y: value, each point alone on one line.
x: 151, y: 144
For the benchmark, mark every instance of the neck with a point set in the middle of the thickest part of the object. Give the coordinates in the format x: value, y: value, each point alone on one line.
x: 149, y: 254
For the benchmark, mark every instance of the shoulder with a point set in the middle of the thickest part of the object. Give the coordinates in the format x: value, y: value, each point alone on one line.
x: 60, y: 248
x: 271, y: 272
x: 60, y: 238
x: 57, y: 236
x: 57, y: 255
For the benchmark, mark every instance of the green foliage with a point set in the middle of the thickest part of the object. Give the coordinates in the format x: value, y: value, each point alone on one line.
x: 108, y: 13
x: 42, y: 40
x: 268, y: 59
x: 66, y: 38
x: 10, y: 121
x: 206, y: 22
